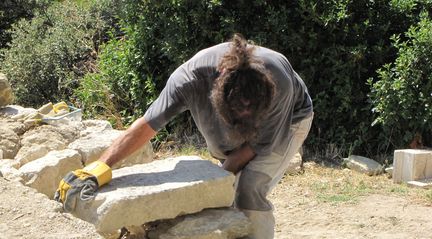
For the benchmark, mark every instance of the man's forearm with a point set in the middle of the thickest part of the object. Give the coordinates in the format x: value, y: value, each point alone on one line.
x: 131, y: 140
x: 238, y: 159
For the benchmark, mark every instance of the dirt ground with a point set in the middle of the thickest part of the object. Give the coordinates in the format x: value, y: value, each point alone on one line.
x: 334, y: 203
x: 320, y: 203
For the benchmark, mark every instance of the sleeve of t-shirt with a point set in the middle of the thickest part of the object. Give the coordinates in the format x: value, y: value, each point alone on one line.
x: 170, y: 102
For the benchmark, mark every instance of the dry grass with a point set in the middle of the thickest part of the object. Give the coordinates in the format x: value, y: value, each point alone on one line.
x: 339, y: 185
x: 324, y: 183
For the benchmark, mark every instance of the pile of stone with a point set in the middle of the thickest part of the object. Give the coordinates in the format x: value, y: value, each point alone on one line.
x: 183, y: 189
x: 183, y: 197
x: 141, y: 191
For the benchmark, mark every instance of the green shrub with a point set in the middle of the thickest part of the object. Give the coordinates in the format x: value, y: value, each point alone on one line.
x: 335, y: 45
x: 402, y: 95
x: 51, y: 52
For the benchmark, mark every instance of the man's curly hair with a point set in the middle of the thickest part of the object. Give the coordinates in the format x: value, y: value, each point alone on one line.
x: 243, y: 84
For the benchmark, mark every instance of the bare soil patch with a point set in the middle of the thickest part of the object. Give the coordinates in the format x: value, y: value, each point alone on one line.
x: 339, y: 203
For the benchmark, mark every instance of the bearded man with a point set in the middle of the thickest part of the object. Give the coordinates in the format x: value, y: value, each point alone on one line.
x: 252, y: 108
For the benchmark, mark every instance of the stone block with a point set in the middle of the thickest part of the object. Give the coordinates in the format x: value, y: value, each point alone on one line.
x: 221, y: 223
x: 412, y: 165
x: 425, y: 183
x: 162, y: 189
x: 38, y: 141
x: 92, y: 146
x: 44, y: 174
x: 363, y: 165
x: 94, y: 126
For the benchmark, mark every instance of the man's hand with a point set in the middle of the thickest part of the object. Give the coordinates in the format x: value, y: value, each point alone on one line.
x: 82, y: 184
x: 238, y: 159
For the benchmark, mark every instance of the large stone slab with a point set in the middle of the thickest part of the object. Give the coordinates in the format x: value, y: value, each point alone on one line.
x: 221, y: 223
x: 44, y: 174
x: 412, y: 165
x: 163, y: 189
x: 93, y: 145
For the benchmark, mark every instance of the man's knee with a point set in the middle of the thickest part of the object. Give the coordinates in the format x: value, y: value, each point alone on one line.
x: 251, y: 192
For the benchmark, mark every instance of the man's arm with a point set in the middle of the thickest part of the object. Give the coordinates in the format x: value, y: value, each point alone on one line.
x: 131, y: 140
x: 238, y: 159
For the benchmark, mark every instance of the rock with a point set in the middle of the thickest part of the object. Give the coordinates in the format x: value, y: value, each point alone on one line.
x: 8, y: 168
x: 223, y: 223
x: 6, y: 96
x: 17, y: 127
x: 94, y: 126
x: 92, y: 146
x: 389, y: 170
x: 9, y: 163
x: 162, y: 189
x: 295, y: 164
x: 38, y: 142
x: 69, y: 132
x: 44, y: 174
x: 16, y: 111
x: 9, y: 142
x: 363, y: 165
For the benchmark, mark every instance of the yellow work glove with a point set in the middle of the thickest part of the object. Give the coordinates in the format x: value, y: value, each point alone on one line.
x: 82, y: 184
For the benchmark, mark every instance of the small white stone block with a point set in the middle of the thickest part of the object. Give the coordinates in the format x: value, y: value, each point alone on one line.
x: 425, y: 183
x: 412, y: 165
x: 44, y: 174
x: 162, y: 189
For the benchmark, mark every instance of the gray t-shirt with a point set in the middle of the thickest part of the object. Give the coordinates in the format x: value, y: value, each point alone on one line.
x: 189, y: 88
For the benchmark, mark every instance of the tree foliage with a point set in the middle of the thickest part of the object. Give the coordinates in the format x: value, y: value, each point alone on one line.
x: 402, y: 95
x: 51, y: 52
x: 335, y: 45
x: 353, y: 55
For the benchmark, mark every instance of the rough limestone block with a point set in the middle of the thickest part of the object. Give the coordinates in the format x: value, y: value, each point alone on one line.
x: 162, y: 189
x: 44, y: 174
x: 9, y: 142
x: 94, y: 126
x: 8, y: 170
x: 223, y: 223
x: 412, y: 165
x: 363, y: 165
x: 92, y: 146
x: 38, y: 141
